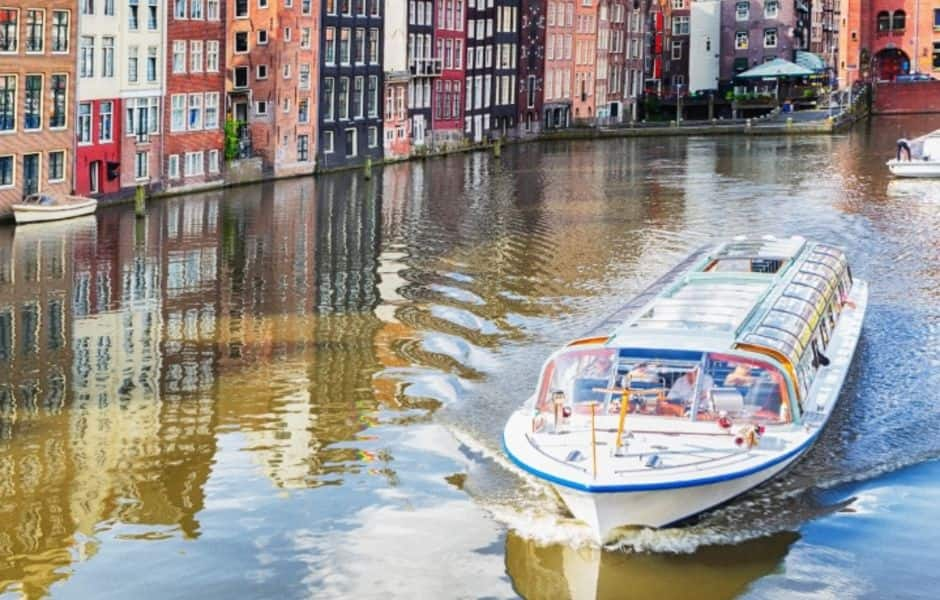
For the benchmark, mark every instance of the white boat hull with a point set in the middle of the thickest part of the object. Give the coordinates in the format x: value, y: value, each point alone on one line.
x: 914, y: 168
x: 24, y: 213
x: 604, y: 513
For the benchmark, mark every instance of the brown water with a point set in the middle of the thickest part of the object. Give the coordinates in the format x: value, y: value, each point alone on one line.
x: 298, y: 389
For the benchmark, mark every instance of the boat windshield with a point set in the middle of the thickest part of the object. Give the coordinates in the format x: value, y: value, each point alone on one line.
x: 689, y: 385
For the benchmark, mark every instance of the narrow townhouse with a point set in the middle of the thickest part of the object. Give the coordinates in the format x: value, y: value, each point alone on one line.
x: 616, y: 42
x: 559, y: 68
x: 99, y: 128
x: 505, y: 68
x: 37, y: 92
x: 704, y: 52
x: 654, y: 50
x: 351, y: 81
x: 479, y: 73
x: 585, y: 47
x: 676, y: 60
x: 531, y: 66
x: 194, y: 143
x: 637, y: 60
x: 140, y: 44
x: 448, y: 103
x: 601, y: 63
x: 396, y: 124
x: 272, y: 63
x: 423, y: 69
x: 753, y: 33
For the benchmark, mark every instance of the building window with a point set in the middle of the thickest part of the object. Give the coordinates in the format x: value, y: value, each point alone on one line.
x: 302, y: 148
x: 151, y: 63
x: 178, y: 112
x: 373, y: 133
x: 344, y: 45
x: 179, y: 56
x: 194, y: 164
x: 262, y: 3
x: 107, y: 57
x: 676, y: 50
x: 328, y: 99
x: 56, y: 166
x: 261, y: 108
x: 195, y: 9
x: 142, y: 165
x: 936, y: 55
x: 359, y: 45
x: 212, y: 56
x: 262, y: 37
x: 884, y: 21
x: 305, y: 37
x: 357, y: 98
x: 195, y: 111
x: 285, y: 104
x: 132, y: 15
x: 303, y: 111
x: 305, y: 6
x: 678, y: 4
x: 84, y: 123
x: 287, y: 34
x: 241, y: 9
x: 343, y: 98
x: 771, y: 8
x: 195, y: 56
x: 327, y: 142
x: 179, y: 9
x: 9, y: 20
x: 6, y: 171
x: 34, y: 30
x: 173, y: 166
x: 374, y: 46
x: 32, y: 105
x: 285, y: 71
x: 109, y: 8
x: 59, y: 87
x: 936, y: 18
x: 770, y: 38
x: 132, y: 64
x: 152, y: 15
x: 742, y: 11
x: 680, y: 25
x: 304, y: 76
x: 213, y: 161
x: 740, y: 40
x: 351, y: 149
x: 212, y: 10
x: 241, y: 77
x: 329, y: 50
x: 86, y: 56
x: 261, y: 72
x: 60, y: 31
x: 372, y: 96
x: 898, y: 20
x: 105, y: 121
x: 212, y: 110
x: 241, y: 42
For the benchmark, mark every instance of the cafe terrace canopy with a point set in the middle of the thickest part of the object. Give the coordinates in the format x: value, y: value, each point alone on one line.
x: 777, y: 68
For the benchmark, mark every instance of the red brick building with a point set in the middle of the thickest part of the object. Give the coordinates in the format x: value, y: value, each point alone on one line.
x: 450, y: 43
x: 37, y: 88
x: 193, y: 115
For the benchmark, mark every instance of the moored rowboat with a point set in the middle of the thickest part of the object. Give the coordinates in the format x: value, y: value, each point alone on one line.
x: 42, y: 207
x: 713, y: 380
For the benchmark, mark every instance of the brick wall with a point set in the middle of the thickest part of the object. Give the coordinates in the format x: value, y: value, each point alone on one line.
x: 912, y: 97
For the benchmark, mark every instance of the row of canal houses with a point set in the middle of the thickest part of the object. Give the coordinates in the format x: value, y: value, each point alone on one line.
x: 99, y: 97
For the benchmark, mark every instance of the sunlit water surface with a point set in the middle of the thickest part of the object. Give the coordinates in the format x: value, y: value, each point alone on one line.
x: 298, y: 389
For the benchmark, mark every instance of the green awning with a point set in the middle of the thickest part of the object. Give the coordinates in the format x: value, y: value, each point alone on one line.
x: 775, y: 69
x: 811, y: 61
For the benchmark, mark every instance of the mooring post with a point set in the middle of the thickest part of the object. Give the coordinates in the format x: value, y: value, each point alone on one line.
x: 367, y: 169
x: 789, y: 122
x: 140, y: 201
x: 497, y: 148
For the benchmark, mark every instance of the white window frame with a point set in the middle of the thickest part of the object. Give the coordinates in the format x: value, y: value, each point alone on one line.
x: 173, y: 166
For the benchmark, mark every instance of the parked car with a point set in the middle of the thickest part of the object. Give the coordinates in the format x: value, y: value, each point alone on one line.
x: 914, y: 77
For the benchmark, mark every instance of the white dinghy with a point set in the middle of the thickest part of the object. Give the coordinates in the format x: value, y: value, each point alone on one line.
x: 43, y: 207
x: 919, y: 157
x: 713, y: 380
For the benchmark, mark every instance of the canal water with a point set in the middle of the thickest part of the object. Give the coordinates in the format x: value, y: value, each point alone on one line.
x: 298, y: 389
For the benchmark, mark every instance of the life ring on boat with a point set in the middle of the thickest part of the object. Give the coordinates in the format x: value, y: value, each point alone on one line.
x: 905, y: 148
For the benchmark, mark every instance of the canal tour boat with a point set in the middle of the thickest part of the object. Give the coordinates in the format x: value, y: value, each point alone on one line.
x: 919, y: 157
x: 714, y: 379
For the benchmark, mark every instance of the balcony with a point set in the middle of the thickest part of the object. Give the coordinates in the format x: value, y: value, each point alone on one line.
x: 425, y: 67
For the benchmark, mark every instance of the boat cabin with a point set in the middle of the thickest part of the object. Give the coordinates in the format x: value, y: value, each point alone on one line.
x: 737, y: 332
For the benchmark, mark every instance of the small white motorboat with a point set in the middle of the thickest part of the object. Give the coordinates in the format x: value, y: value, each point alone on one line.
x: 717, y: 377
x: 36, y: 208
x: 919, y: 157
